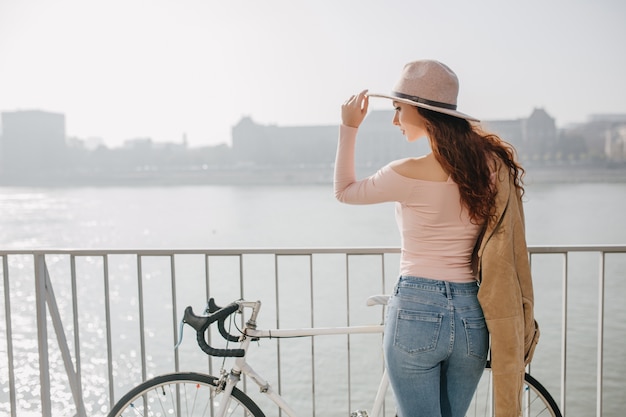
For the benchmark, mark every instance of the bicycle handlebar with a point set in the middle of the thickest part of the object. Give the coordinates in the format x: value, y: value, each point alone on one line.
x: 212, y: 308
x: 201, y: 324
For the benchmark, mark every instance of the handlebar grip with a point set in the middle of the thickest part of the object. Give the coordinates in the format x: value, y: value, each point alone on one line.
x: 201, y: 323
x: 209, y: 350
x: 212, y: 307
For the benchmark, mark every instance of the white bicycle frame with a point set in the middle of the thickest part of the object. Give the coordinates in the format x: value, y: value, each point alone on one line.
x: 241, y: 366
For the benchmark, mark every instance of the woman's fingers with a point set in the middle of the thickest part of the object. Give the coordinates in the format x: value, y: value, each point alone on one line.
x: 354, y: 109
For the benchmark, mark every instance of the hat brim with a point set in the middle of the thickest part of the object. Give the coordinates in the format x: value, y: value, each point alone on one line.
x: 426, y: 106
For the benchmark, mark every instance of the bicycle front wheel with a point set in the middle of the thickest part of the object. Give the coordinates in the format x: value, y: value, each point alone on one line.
x: 184, y: 394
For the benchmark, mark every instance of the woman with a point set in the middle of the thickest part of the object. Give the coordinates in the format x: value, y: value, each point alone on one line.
x: 436, y: 338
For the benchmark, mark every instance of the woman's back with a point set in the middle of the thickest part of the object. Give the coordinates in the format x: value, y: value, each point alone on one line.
x: 438, y: 237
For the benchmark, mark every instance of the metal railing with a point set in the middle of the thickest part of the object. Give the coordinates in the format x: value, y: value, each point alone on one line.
x: 115, y: 314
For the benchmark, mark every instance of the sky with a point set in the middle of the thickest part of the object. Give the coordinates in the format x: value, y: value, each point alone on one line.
x: 169, y: 69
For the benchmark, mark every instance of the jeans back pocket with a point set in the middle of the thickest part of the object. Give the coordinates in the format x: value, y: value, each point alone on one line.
x: 477, y: 336
x: 417, y: 331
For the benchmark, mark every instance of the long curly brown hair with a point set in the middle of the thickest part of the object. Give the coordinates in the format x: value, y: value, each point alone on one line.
x: 467, y: 153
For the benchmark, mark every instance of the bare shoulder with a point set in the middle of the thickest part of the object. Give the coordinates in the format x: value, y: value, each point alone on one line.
x: 423, y: 168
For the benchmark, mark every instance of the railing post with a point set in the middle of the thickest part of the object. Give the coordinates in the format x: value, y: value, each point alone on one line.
x: 72, y: 376
x: 564, y: 294
x: 600, y: 365
x: 42, y: 333
x: 44, y: 294
x: 9, y: 336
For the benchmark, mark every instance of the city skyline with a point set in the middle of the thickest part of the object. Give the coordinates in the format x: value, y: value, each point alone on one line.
x: 93, y: 140
x: 123, y: 70
x: 34, y: 151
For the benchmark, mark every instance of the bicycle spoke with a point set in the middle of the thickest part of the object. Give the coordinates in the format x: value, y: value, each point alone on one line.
x: 536, y: 401
x: 182, y: 395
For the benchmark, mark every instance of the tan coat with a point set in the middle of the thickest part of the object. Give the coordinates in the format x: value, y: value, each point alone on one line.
x: 506, y: 297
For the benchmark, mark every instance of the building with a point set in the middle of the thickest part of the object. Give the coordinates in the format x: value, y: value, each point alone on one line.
x: 260, y: 145
x: 290, y: 146
x: 535, y: 137
x: 615, y: 145
x: 33, y: 144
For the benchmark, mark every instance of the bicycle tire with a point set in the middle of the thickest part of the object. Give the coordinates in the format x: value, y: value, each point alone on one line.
x: 181, y: 394
x: 549, y: 403
x: 536, y: 400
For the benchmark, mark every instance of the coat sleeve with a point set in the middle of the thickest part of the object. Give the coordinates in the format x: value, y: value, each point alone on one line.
x: 506, y: 296
x: 531, y: 327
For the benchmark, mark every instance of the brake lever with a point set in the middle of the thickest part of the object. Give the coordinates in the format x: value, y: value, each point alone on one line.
x: 181, y: 326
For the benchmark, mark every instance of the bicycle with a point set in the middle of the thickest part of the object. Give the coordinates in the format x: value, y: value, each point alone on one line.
x: 191, y: 394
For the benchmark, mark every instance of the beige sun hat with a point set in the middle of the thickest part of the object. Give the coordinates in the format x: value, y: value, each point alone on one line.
x: 428, y: 84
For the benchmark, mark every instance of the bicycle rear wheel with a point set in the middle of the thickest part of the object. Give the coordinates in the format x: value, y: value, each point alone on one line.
x: 536, y: 400
x: 185, y: 394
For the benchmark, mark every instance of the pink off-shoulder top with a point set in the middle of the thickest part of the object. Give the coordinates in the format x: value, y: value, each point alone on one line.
x: 437, y: 235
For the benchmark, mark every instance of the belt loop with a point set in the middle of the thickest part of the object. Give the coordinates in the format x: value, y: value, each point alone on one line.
x: 448, y: 290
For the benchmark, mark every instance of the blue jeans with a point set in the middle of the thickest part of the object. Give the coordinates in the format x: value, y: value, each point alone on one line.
x: 435, y: 343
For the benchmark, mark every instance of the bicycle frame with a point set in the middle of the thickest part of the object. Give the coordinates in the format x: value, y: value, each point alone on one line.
x: 241, y: 365
x: 181, y: 389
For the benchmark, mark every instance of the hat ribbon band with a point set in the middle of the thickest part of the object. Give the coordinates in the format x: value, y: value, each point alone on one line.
x: 425, y: 101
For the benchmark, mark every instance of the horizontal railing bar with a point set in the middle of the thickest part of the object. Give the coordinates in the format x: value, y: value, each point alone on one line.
x: 213, y: 252
x: 577, y: 248
x: 556, y: 249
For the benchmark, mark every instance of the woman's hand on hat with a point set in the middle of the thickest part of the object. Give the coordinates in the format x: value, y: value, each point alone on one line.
x: 354, y: 109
